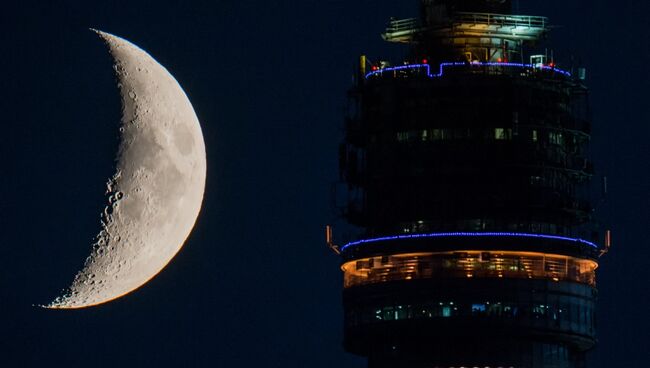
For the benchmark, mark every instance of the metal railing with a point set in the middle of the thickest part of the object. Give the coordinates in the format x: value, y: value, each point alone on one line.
x: 488, y: 68
x: 400, y: 25
x: 501, y: 20
x: 490, y: 19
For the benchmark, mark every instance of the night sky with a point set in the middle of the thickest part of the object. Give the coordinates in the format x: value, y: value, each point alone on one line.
x: 255, y: 285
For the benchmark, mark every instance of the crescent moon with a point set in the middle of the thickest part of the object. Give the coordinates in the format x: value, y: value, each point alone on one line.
x: 156, y: 193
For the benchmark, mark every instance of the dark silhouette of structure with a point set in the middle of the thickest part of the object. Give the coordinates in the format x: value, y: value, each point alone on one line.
x: 467, y: 169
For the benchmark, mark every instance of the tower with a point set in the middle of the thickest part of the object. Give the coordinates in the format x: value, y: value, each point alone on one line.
x: 467, y: 171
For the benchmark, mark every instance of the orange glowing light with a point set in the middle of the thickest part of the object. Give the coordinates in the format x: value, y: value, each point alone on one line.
x: 468, y: 264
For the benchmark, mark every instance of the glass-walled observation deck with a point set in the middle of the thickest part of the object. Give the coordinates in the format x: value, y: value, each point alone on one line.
x: 468, y: 264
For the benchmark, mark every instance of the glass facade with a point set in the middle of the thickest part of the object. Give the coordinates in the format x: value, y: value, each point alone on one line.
x: 467, y: 264
x: 573, y: 315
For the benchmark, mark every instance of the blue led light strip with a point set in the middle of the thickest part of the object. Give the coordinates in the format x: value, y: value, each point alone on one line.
x: 468, y: 234
x: 443, y: 66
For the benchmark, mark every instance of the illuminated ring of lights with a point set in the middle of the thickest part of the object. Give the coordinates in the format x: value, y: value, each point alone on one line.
x: 445, y: 65
x: 468, y: 234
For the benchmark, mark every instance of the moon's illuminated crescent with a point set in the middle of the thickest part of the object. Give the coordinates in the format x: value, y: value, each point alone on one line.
x: 156, y: 193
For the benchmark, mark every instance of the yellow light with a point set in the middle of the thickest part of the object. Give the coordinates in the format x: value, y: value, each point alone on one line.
x: 467, y: 264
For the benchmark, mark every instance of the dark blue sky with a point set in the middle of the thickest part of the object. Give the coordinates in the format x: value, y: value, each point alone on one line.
x: 255, y: 285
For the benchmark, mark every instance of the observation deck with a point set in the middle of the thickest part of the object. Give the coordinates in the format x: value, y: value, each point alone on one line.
x: 465, y: 24
x: 510, y: 299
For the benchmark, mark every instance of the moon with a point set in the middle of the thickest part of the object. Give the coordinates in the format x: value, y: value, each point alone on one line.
x: 155, y: 196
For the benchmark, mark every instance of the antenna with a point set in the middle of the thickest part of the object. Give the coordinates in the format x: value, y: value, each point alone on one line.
x: 329, y: 240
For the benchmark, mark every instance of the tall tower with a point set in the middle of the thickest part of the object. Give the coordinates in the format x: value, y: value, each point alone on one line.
x: 467, y: 171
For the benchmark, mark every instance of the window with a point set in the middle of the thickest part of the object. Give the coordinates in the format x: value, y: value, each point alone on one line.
x: 495, y: 309
x: 539, y: 310
x: 402, y: 312
x: 510, y: 311
x: 446, y: 311
x: 390, y: 314
x: 476, y: 263
x: 502, y: 134
x: 478, y: 309
x: 437, y: 134
x: 555, y: 138
x: 422, y: 311
x: 552, y: 316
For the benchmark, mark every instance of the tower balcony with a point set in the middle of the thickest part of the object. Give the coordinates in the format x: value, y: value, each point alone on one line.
x: 466, y: 24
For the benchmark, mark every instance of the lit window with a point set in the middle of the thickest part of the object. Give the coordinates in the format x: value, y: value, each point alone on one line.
x: 389, y: 314
x: 477, y: 263
x: 555, y: 138
x: 502, y: 134
x: 446, y: 311
x: 402, y: 313
x: 478, y: 308
x: 539, y: 310
x: 534, y: 135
